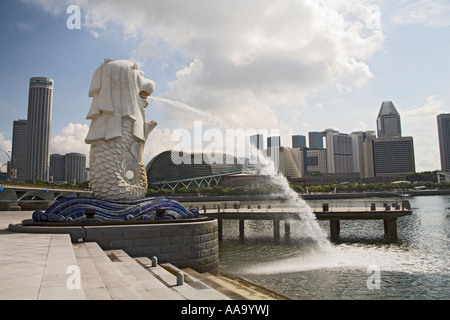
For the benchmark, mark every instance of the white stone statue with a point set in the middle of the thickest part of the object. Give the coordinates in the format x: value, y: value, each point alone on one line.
x: 118, y: 131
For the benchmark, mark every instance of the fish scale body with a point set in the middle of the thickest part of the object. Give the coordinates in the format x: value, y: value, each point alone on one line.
x: 109, y: 163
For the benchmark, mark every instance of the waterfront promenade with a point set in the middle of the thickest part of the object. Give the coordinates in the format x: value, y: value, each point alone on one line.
x: 46, y: 266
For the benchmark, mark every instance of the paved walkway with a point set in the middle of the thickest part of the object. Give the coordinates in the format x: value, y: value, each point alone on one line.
x: 51, y: 267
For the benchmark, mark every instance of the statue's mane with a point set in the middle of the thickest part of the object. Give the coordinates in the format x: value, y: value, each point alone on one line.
x: 115, y: 92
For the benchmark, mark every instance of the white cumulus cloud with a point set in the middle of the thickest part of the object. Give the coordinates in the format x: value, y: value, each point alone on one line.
x: 70, y: 139
x: 252, y: 64
x: 247, y: 57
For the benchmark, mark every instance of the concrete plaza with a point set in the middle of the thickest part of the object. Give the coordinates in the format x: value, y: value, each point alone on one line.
x: 51, y: 267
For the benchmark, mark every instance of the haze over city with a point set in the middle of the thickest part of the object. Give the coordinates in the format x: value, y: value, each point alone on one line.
x: 296, y: 66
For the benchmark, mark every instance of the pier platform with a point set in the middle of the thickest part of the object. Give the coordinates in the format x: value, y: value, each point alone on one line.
x: 387, y: 213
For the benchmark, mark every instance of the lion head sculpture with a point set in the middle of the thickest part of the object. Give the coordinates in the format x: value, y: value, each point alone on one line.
x: 118, y: 130
x: 119, y: 89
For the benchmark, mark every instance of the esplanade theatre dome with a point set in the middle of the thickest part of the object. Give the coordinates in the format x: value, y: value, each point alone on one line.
x: 170, y: 167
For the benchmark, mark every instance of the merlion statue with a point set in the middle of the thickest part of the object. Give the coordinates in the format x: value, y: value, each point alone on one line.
x: 118, y: 131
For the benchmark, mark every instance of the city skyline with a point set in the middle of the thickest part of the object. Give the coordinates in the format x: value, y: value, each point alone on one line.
x: 290, y: 66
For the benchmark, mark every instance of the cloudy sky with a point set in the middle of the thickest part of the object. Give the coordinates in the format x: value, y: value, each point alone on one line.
x: 289, y: 65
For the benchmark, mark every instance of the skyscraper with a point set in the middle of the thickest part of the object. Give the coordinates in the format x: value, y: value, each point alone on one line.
x: 444, y: 140
x: 57, y: 167
x: 298, y: 142
x: 339, y: 152
x: 273, y: 142
x: 70, y: 168
x: 359, y: 138
x: 315, y: 140
x: 40, y: 102
x: 388, y: 121
x: 75, y: 167
x: 257, y: 141
x: 390, y: 156
x: 390, y: 153
x: 19, y: 150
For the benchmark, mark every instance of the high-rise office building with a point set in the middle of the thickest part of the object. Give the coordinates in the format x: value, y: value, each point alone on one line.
x: 315, y: 161
x: 390, y: 156
x: 298, y: 163
x: 288, y: 163
x: 257, y: 144
x: 388, y: 121
x: 40, y: 102
x: 390, y: 153
x: 69, y: 168
x: 315, y: 140
x: 273, y: 142
x: 273, y: 149
x: 298, y: 142
x: 443, y: 121
x: 19, y: 151
x: 75, y: 167
x: 257, y: 141
x: 57, y: 167
x: 358, y: 139
x: 339, y: 152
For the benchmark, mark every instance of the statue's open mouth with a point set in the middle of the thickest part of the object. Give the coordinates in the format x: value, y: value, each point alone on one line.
x: 144, y: 95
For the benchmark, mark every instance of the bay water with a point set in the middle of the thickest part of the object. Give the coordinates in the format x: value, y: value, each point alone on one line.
x: 363, y: 265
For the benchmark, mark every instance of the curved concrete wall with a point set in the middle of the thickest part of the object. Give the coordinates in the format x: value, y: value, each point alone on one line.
x: 186, y: 245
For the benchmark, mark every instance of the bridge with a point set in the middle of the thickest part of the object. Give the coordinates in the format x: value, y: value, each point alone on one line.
x: 34, y: 198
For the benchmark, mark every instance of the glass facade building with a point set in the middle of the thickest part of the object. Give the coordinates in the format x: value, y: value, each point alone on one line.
x: 388, y: 121
x: 40, y: 102
x: 69, y: 168
x: 444, y: 140
x: 298, y: 142
x: 19, y: 150
x: 315, y: 140
x: 273, y: 142
x: 390, y: 156
x: 257, y: 141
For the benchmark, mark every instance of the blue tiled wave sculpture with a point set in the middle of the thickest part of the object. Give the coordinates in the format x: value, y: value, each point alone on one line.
x: 95, y: 210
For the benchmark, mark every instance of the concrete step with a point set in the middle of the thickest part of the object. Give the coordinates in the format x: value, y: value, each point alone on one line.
x: 194, y: 281
x: 229, y: 289
x: 237, y: 289
x: 93, y: 284
x: 197, y: 291
x: 100, y: 276
x: 144, y: 282
x: 35, y: 267
x: 60, y: 262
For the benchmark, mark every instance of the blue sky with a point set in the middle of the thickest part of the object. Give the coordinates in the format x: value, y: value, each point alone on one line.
x: 296, y: 66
